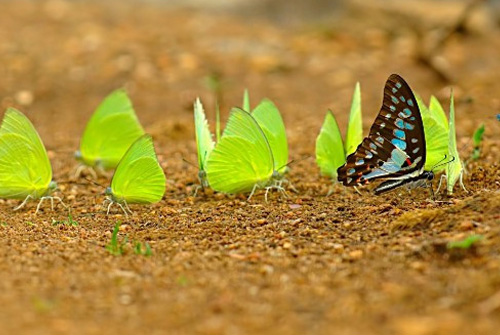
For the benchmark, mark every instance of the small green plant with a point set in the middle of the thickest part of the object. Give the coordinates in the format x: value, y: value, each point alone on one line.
x: 42, y: 305
x: 68, y: 222
x: 182, y: 280
x: 477, y: 138
x: 466, y: 243
x: 115, y: 247
x: 143, y: 249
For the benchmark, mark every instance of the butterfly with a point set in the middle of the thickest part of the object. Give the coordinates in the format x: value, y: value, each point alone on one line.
x: 330, y: 149
x: 330, y: 152
x: 252, y: 152
x: 138, y: 178
x: 395, y: 147
x: 204, y: 141
x: 25, y: 170
x: 109, y: 133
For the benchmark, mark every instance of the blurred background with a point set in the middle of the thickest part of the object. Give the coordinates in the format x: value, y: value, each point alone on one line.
x: 58, y: 59
x: 307, y: 264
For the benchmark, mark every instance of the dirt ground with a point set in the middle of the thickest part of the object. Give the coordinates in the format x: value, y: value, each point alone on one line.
x: 307, y: 264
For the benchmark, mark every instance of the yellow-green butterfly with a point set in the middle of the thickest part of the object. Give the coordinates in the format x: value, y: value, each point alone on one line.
x: 354, y: 134
x: 204, y: 141
x: 109, y: 133
x: 436, y: 134
x: 138, y: 178
x: 252, y: 152
x: 440, y: 138
x: 330, y: 149
x: 25, y: 171
x: 330, y: 153
x: 454, y: 170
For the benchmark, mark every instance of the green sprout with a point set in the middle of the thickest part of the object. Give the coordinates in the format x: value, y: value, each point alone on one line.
x: 477, y: 138
x: 466, y: 243
x: 68, y: 222
x: 115, y: 247
x: 143, y: 249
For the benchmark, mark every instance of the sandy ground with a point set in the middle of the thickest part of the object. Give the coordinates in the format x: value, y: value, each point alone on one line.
x: 307, y: 264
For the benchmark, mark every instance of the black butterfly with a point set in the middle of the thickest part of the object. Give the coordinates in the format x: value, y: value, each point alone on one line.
x: 395, y: 147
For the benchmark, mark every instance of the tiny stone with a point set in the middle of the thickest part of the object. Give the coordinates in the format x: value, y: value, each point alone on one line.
x: 466, y: 225
x: 356, y: 254
x: 24, y: 97
x: 261, y: 221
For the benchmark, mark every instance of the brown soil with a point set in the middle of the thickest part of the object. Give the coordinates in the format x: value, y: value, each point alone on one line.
x: 307, y: 264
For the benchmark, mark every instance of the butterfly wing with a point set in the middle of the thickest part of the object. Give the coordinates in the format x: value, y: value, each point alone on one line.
x: 269, y: 119
x: 139, y: 177
x: 242, y: 158
x: 204, y: 141
x: 437, y: 112
x: 354, y: 134
x: 24, y: 165
x: 454, y: 169
x: 330, y: 154
x: 110, y: 131
x: 436, y: 134
x: 395, y: 146
x: 246, y: 101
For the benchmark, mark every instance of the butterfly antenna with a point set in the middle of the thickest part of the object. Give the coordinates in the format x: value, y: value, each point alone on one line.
x: 293, y: 161
x: 440, y: 163
x: 91, y: 181
x: 70, y: 182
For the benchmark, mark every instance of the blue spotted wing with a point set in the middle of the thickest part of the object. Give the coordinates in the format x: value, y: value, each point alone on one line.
x: 395, y: 146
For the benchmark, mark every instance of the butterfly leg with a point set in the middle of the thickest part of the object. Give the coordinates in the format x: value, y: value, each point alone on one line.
x: 282, y: 191
x: 126, y: 206
x: 461, y: 180
x: 110, y: 204
x: 109, y: 207
x: 24, y: 202
x: 81, y: 167
x: 253, y: 191
x: 265, y: 194
x: 60, y: 200
x: 443, y: 176
x: 79, y: 170
x: 277, y: 187
x: 289, y: 184
x: 123, y: 209
x: 40, y: 204
x: 196, y: 189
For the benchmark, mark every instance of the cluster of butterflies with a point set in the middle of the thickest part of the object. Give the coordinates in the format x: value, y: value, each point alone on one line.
x: 251, y: 153
x: 113, y: 139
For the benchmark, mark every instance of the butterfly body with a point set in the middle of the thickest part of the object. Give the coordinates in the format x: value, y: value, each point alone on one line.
x: 395, y: 147
x: 421, y: 180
